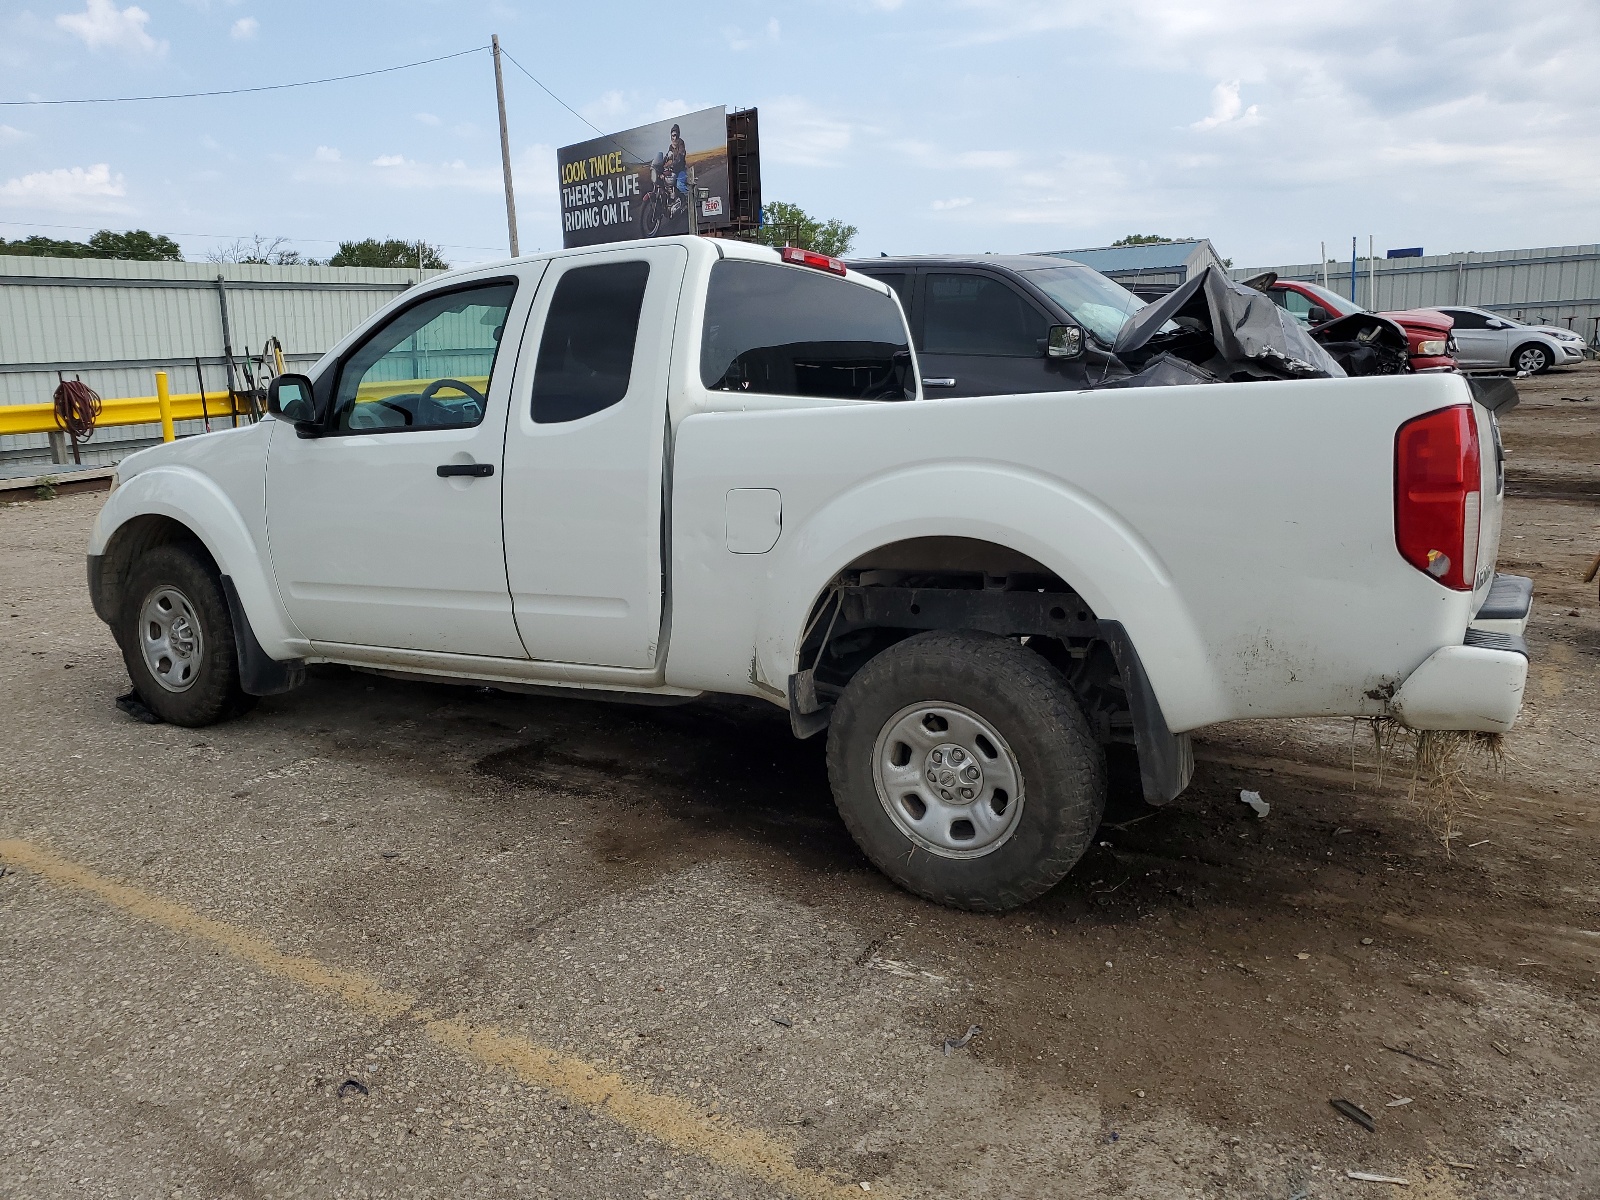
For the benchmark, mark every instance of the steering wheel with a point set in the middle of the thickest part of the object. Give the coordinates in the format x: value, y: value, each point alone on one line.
x: 432, y: 389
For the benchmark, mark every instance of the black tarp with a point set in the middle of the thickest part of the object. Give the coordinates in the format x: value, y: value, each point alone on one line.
x: 1228, y: 330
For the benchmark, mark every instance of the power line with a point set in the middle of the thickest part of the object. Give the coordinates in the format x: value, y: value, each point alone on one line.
x: 268, y: 87
x: 555, y: 97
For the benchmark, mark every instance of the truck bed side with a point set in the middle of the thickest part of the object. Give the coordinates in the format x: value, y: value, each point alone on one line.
x: 1243, y: 534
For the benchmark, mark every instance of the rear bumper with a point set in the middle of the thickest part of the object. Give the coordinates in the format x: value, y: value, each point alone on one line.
x: 1477, y: 685
x: 1507, y: 606
x: 1464, y: 687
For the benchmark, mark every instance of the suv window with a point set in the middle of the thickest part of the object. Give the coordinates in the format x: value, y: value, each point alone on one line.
x: 429, y: 367
x: 793, y: 331
x: 586, y: 352
x: 978, y: 314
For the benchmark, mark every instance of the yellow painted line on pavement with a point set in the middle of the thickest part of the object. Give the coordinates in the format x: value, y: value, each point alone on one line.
x: 677, y: 1122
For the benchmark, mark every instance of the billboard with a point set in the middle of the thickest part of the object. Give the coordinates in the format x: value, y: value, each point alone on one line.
x: 646, y: 182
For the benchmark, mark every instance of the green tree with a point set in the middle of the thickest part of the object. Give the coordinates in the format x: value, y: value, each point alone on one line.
x: 1143, y: 239
x: 137, y: 245
x: 391, y: 252
x: 784, y: 224
x: 43, y: 247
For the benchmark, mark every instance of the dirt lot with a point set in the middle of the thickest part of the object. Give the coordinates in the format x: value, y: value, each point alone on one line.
x: 388, y: 939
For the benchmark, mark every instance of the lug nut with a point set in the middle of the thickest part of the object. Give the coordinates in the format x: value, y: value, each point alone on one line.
x: 937, y: 756
x: 966, y: 793
x: 969, y: 772
x: 955, y: 756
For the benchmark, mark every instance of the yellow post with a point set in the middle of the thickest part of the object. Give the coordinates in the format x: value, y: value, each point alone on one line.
x: 164, y: 403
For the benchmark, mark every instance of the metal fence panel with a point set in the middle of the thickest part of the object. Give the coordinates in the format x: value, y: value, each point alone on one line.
x: 114, y: 324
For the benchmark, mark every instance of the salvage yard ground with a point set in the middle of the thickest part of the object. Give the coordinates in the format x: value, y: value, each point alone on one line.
x: 394, y: 939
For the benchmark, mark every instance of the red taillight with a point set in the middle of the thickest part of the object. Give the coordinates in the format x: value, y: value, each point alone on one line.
x: 810, y: 258
x: 1437, y: 501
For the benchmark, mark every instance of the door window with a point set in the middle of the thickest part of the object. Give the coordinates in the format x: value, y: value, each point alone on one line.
x: 429, y: 367
x: 1467, y: 319
x: 1296, y: 304
x: 793, y: 331
x: 586, y: 353
x: 978, y: 314
x: 901, y: 283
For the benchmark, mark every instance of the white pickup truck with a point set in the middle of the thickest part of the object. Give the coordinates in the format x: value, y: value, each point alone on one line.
x: 667, y: 468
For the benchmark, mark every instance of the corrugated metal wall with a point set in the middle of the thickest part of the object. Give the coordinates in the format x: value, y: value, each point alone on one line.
x: 117, y: 323
x: 1552, y: 285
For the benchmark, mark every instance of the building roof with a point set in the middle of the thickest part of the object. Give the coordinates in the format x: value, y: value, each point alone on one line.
x: 1154, y: 257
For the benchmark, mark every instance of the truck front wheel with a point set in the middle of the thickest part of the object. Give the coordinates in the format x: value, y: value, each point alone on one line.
x: 965, y: 769
x: 177, y: 639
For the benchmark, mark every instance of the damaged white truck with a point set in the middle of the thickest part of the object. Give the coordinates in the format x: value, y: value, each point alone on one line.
x: 668, y: 468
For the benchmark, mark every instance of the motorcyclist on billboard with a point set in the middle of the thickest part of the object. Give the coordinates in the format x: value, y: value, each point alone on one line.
x: 677, y: 162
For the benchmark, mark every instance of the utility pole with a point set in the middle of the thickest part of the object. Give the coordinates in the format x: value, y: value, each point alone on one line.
x: 505, y: 146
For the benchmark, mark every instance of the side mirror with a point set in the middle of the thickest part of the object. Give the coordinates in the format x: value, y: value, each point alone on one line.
x: 1065, y: 341
x: 292, y: 398
x: 1317, y: 316
x: 1494, y: 324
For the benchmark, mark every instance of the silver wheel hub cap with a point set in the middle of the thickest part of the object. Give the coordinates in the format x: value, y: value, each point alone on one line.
x: 948, y: 780
x: 1530, y: 360
x: 169, y: 635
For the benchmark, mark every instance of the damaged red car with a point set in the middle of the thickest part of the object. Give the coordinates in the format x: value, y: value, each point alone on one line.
x: 1430, y: 345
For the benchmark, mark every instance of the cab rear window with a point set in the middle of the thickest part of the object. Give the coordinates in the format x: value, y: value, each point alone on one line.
x: 793, y: 331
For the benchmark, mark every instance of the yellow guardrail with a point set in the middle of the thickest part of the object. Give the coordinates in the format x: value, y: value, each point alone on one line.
x: 147, y: 410
x: 134, y: 410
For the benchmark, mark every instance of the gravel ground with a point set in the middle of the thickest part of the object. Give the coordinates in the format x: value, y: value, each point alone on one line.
x: 397, y: 939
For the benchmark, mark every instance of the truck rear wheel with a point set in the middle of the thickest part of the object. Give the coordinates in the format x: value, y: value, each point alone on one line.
x: 177, y: 639
x: 965, y: 769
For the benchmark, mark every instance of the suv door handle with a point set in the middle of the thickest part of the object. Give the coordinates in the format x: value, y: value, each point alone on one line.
x: 474, y: 470
x: 938, y: 382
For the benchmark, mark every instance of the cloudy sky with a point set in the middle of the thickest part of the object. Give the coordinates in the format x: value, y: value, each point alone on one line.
x: 1003, y: 125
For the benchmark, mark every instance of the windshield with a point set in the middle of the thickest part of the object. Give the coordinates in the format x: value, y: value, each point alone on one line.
x: 1095, y: 302
x: 1337, y: 305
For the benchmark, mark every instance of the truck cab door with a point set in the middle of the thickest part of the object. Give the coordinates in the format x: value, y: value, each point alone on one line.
x: 585, y: 455
x: 384, y: 526
x: 977, y: 330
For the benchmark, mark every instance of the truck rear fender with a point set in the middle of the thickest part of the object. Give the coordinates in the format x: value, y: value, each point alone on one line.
x: 1067, y: 531
x: 165, y: 503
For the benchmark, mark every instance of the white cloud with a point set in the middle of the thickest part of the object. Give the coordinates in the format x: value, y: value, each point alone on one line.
x: 954, y: 202
x: 103, y: 25
x: 10, y: 133
x: 737, y: 39
x: 327, y: 154
x: 67, y: 189
x: 1227, y: 108
x: 796, y: 133
x: 391, y: 160
x: 428, y: 119
x: 244, y: 29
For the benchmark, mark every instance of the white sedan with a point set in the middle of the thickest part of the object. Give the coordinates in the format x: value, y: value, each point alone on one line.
x: 1487, y: 341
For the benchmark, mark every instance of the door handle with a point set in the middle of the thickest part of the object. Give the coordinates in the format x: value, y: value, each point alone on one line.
x: 938, y: 382
x: 472, y: 470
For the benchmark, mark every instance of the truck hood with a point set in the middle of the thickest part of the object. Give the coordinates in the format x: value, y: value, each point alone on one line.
x: 1422, y: 320
x: 185, y: 450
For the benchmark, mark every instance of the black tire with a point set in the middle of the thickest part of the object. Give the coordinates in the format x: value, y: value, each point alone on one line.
x: 1029, y: 703
x: 209, y: 681
x: 650, y: 216
x: 1536, y: 354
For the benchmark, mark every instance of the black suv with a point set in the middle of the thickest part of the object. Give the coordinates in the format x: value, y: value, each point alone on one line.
x: 996, y: 325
